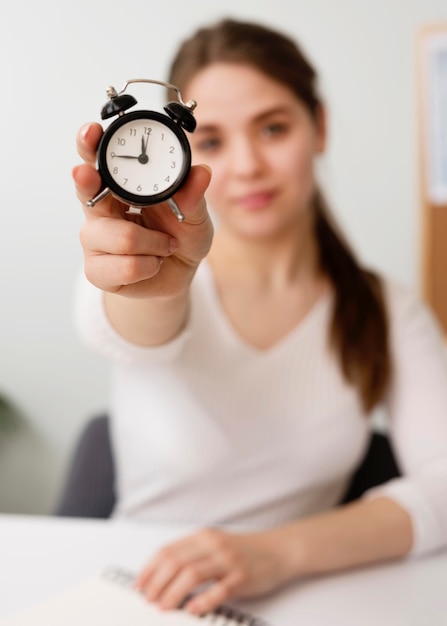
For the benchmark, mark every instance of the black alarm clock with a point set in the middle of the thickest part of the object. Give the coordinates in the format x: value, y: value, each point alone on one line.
x: 144, y: 156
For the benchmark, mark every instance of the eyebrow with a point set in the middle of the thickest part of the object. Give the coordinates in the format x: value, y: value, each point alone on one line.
x: 277, y: 110
x: 280, y: 109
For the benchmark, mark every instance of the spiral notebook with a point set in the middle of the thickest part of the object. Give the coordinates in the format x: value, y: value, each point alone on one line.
x: 111, y: 600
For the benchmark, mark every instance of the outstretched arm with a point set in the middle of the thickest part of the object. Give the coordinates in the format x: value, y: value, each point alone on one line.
x: 144, y: 264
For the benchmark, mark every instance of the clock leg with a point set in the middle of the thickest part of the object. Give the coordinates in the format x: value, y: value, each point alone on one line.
x: 134, y: 210
x: 175, y: 209
x: 103, y: 194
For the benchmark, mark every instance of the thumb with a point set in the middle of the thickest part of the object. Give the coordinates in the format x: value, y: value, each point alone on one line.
x: 190, y: 198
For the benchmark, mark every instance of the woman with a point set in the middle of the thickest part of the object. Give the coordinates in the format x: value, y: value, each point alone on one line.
x: 246, y: 366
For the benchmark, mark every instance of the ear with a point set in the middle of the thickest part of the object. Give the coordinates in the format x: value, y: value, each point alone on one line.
x: 321, y: 127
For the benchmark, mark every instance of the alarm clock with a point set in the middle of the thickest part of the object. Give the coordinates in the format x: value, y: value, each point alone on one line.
x: 144, y: 156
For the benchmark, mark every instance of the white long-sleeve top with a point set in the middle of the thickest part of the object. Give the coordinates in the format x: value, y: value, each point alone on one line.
x: 207, y: 430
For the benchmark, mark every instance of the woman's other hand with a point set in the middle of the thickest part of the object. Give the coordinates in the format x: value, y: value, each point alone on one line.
x: 229, y: 565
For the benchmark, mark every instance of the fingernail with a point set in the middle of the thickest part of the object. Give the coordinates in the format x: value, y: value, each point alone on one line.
x: 149, y: 595
x: 164, y: 606
x: 74, y: 171
x: 84, y: 131
x: 173, y: 244
x: 207, y: 167
x: 194, y: 607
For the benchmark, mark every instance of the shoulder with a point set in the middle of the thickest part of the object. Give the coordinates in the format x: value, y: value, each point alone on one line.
x: 408, y: 314
x: 403, y: 302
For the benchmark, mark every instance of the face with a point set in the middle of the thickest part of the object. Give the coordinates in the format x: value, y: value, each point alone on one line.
x: 261, y: 142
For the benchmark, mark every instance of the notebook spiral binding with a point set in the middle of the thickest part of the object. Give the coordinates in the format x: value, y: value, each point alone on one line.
x: 224, y: 615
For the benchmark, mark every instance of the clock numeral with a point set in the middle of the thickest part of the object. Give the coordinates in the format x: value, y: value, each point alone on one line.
x: 132, y: 132
x: 139, y: 188
x: 121, y: 141
x: 147, y: 130
x: 171, y: 150
x: 162, y: 136
x: 115, y: 170
x: 167, y: 179
x: 155, y: 187
x: 113, y: 155
x: 173, y: 165
x: 125, y: 181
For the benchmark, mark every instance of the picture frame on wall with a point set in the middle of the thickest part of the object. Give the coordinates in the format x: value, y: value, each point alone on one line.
x: 432, y: 120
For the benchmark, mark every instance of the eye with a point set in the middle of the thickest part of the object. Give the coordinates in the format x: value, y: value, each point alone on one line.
x: 209, y: 144
x: 274, y: 129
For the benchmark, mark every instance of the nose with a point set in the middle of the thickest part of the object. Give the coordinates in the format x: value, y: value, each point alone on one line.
x: 245, y: 158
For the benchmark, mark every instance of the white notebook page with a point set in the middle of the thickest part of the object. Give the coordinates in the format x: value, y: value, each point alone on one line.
x: 100, y: 601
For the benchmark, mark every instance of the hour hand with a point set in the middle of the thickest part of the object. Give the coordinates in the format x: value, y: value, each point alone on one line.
x: 143, y: 158
x: 124, y: 156
x: 144, y: 144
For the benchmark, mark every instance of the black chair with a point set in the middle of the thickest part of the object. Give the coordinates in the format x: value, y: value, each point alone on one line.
x: 378, y: 466
x: 89, y: 490
x: 90, y: 486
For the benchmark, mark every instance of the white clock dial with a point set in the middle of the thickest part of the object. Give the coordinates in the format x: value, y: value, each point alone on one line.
x: 144, y: 157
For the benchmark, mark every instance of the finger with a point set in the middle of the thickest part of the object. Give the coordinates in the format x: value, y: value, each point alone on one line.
x: 157, y: 577
x: 215, y: 595
x: 190, y: 197
x: 200, y: 556
x: 87, y: 182
x: 199, y: 545
x: 125, y: 270
x: 87, y: 141
x: 187, y: 580
x: 122, y: 237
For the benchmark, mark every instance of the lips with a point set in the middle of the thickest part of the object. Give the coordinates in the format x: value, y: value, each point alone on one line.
x: 255, y: 200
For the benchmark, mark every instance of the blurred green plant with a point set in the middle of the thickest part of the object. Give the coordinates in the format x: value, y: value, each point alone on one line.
x: 8, y: 416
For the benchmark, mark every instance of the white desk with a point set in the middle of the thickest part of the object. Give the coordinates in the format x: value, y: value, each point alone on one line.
x: 41, y: 556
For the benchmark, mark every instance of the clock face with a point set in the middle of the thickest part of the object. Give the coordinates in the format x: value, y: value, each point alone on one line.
x: 144, y: 157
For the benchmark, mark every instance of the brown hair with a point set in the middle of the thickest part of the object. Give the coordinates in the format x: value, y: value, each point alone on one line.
x: 359, y: 326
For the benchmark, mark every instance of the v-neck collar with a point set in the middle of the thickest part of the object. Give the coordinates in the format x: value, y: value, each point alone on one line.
x: 319, y: 309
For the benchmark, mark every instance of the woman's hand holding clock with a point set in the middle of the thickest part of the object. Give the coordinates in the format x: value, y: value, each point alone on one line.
x: 147, y: 255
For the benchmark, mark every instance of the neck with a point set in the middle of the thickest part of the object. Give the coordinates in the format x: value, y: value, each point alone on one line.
x: 289, y: 257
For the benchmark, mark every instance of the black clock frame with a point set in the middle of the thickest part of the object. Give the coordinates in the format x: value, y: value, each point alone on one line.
x: 117, y: 190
